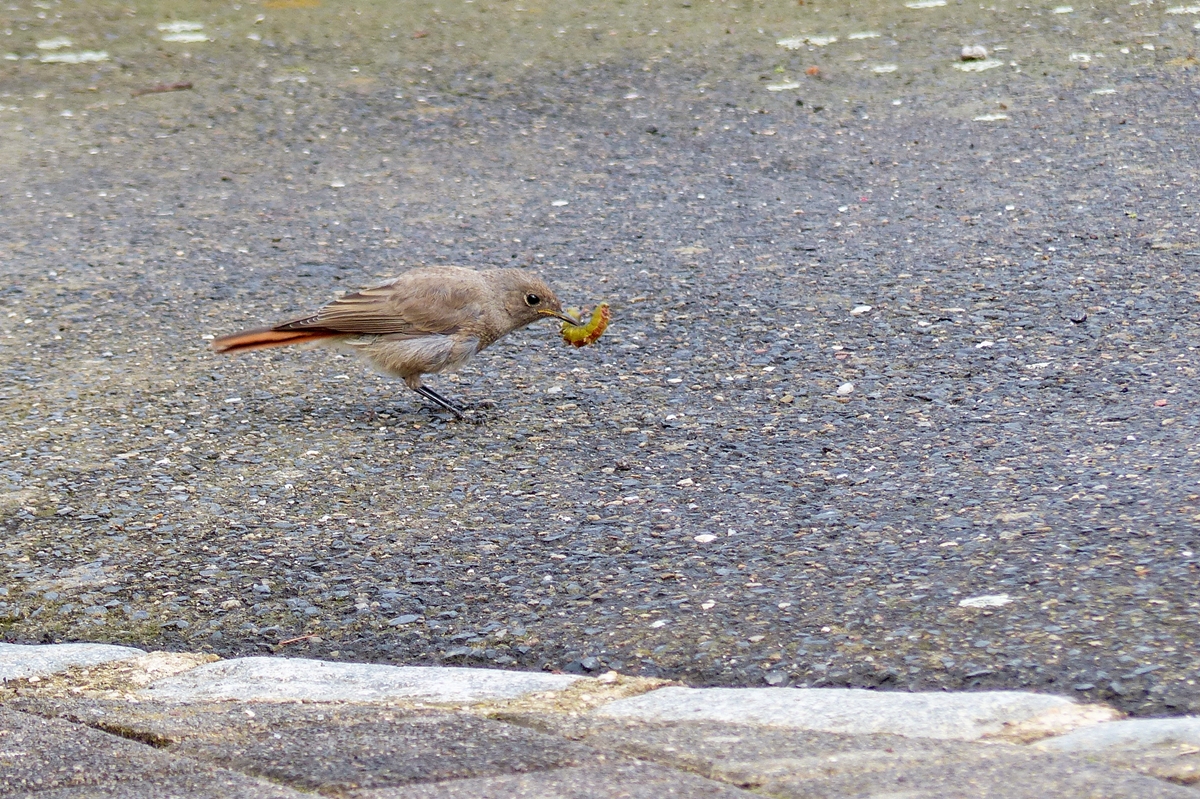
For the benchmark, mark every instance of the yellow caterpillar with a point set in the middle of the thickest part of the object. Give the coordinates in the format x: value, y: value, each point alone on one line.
x: 584, y: 334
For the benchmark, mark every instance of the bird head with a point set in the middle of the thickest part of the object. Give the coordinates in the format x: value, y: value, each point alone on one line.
x: 527, y: 299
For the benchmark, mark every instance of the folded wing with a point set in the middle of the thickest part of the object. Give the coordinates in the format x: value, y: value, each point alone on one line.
x: 395, y: 308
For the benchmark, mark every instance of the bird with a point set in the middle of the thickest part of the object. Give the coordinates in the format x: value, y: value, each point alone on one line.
x: 428, y: 320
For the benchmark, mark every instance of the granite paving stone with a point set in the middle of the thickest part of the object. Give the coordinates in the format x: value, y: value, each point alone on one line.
x: 330, y: 747
x: 604, y: 781
x: 18, y: 660
x: 1164, y: 748
x: 400, y: 748
x: 1128, y: 734
x: 52, y: 758
x: 216, y: 784
x: 814, y: 765
x: 958, y: 716
x: 264, y: 679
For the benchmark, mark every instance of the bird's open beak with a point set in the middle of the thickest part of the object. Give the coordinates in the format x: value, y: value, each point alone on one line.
x: 559, y: 315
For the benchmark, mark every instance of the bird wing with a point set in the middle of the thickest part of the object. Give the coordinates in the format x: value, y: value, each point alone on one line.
x: 405, y: 307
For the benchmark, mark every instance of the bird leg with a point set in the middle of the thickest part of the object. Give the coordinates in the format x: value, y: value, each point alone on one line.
x: 437, y: 399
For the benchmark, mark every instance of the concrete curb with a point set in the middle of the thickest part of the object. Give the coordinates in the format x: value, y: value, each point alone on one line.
x: 273, y: 726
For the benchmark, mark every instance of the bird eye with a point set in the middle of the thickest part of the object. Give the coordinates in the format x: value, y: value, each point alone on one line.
x: 532, y: 300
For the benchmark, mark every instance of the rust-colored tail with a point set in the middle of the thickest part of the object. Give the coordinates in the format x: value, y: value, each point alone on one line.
x: 265, y: 337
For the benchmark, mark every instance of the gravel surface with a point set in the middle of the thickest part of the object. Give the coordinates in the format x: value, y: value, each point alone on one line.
x: 874, y: 350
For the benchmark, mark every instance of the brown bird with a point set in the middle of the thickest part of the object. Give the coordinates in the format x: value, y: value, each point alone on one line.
x: 425, y: 321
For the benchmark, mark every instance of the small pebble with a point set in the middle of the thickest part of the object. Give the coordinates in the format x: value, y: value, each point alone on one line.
x: 985, y: 601
x: 974, y: 53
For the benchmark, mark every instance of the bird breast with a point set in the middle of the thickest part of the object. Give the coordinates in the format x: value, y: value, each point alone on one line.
x: 409, y: 357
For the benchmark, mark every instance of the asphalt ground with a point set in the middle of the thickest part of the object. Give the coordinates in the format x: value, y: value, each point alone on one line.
x: 882, y: 341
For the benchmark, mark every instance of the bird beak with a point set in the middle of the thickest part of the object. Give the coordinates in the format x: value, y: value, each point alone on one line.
x: 559, y: 315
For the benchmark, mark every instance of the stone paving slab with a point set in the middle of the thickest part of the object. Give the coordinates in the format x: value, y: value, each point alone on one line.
x: 20, y: 661
x: 219, y: 784
x: 604, y: 781
x: 46, y: 758
x: 951, y: 716
x: 329, y: 747
x: 285, y: 725
x: 799, y: 764
x: 1165, y: 748
x: 269, y: 679
x: 1129, y: 734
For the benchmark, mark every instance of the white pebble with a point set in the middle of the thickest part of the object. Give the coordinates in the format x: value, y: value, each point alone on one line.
x: 185, y: 38
x: 985, y: 601
x: 845, y: 389
x: 180, y: 27
x: 979, y: 66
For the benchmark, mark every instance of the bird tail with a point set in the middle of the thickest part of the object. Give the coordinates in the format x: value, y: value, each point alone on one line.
x: 263, y: 338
